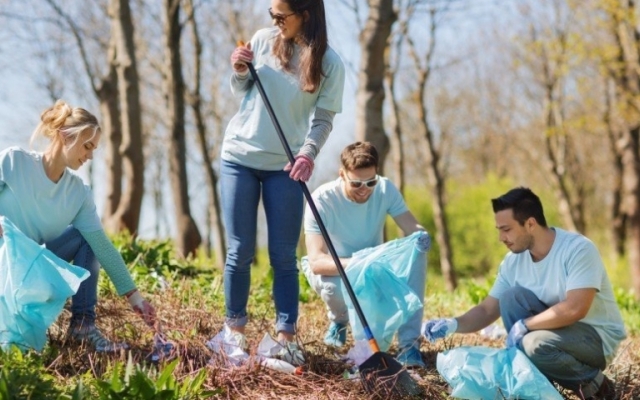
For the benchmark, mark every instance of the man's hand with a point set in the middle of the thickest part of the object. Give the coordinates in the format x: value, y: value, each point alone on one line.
x: 517, y: 332
x: 142, y: 307
x: 439, y: 328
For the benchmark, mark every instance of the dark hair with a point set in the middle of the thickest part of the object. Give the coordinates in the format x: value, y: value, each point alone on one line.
x: 524, y: 203
x: 359, y: 155
x: 314, y: 43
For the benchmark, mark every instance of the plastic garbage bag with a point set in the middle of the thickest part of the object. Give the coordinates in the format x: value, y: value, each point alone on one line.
x: 379, y: 277
x: 34, y: 285
x: 476, y: 372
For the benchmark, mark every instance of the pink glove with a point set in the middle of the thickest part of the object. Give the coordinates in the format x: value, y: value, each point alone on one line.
x: 302, y: 168
x: 240, y: 57
x: 142, y: 307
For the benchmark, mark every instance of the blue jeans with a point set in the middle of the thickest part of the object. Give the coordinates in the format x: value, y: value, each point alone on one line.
x: 241, y: 189
x: 572, y: 355
x: 71, y: 246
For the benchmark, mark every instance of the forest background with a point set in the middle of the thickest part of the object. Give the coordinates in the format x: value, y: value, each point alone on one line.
x: 465, y: 99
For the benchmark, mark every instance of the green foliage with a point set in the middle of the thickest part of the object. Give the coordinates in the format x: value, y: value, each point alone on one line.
x: 134, y: 382
x: 153, y: 263
x: 476, y: 291
x: 23, y: 376
x: 630, y: 309
x: 473, y: 236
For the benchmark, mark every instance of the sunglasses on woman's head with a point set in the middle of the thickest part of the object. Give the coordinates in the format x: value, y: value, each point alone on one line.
x: 279, y: 18
x: 356, y: 183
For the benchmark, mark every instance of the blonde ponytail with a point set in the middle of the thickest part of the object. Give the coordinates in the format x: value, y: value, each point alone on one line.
x: 62, y: 118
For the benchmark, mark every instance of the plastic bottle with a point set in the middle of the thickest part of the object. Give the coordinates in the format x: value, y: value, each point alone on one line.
x: 282, y: 366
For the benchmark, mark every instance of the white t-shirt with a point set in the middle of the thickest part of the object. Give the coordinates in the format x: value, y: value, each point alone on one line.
x: 251, y: 139
x: 40, y: 208
x: 572, y: 263
x: 353, y: 226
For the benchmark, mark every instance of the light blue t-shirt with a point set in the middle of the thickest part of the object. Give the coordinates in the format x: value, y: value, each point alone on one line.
x: 251, y: 139
x: 40, y: 208
x: 572, y: 263
x: 353, y: 226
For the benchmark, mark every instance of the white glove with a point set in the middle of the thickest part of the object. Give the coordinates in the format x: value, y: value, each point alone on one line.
x: 142, y: 307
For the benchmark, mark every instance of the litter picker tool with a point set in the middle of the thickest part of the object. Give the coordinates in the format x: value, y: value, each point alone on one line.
x: 380, y: 373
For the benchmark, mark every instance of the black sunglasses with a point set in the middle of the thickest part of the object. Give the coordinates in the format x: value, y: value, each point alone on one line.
x: 279, y: 18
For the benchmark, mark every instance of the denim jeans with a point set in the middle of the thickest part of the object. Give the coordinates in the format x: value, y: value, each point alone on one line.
x: 572, y: 355
x: 330, y: 290
x: 241, y: 190
x: 71, y: 246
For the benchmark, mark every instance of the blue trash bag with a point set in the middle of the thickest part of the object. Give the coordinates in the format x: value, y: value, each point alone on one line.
x: 484, y: 373
x: 34, y: 285
x: 379, y: 278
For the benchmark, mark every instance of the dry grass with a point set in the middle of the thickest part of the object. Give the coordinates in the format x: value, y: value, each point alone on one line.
x: 189, y: 326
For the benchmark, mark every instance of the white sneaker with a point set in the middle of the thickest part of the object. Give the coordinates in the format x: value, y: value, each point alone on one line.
x: 230, y: 343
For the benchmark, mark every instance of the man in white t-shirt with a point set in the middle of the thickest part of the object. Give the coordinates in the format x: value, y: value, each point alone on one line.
x: 554, y: 297
x: 353, y: 209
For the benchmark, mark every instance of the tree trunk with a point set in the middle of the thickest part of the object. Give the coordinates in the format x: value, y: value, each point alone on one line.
x: 626, y: 75
x: 195, y: 101
x: 618, y: 216
x: 107, y: 93
x: 127, y: 214
x: 188, y: 238
x: 370, y: 96
x: 437, y: 187
x: 631, y: 200
x: 435, y: 177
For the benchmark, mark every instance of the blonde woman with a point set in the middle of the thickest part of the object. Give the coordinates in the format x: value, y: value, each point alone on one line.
x: 52, y: 206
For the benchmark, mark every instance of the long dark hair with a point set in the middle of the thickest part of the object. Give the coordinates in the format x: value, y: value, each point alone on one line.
x: 314, y: 43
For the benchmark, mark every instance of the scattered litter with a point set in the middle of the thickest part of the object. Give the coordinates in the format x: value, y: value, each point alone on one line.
x: 360, y: 352
x: 231, y: 345
x: 162, y: 349
x: 494, y: 331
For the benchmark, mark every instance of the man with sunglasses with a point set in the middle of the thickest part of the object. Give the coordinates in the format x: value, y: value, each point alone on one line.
x: 354, y: 208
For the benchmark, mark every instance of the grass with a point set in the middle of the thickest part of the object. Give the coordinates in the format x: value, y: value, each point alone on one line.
x: 191, y: 311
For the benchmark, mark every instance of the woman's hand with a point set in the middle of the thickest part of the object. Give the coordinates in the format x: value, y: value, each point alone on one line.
x: 142, y: 307
x: 302, y: 169
x: 240, y: 57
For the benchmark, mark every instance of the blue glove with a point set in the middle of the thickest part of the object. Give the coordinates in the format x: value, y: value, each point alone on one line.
x: 439, y: 328
x: 517, y: 332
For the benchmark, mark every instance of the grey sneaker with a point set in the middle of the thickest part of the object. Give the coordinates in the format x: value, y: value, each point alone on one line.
x: 291, y: 353
x: 91, y: 336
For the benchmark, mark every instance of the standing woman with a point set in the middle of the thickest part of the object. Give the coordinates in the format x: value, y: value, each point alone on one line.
x: 51, y: 205
x: 304, y: 78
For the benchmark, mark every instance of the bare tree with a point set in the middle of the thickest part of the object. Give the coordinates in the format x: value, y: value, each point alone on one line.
x: 370, y: 97
x: 188, y: 237
x: 625, y: 68
x: 117, y: 92
x: 435, y: 177
x: 195, y: 101
x: 127, y: 213
x: 548, y: 55
x: 392, y: 65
